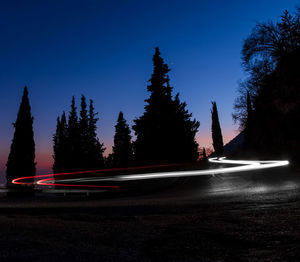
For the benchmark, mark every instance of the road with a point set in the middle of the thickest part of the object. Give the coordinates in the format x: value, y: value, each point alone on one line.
x: 249, y: 216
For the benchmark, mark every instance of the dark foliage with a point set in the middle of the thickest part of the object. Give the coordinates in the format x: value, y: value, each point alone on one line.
x: 76, y: 146
x: 267, y: 44
x: 271, y: 125
x: 84, y: 139
x: 95, y: 148
x: 204, y: 156
x: 60, y: 148
x: 216, y: 131
x: 22, y: 151
x: 165, y: 132
x: 249, y: 125
x: 72, y: 157
x: 277, y: 110
x: 122, y: 149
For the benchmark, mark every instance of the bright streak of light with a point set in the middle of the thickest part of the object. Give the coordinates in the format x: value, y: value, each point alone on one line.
x: 243, y: 165
x: 50, y: 177
x: 247, y: 166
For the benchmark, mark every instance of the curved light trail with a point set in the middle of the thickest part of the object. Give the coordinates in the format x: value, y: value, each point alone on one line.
x: 58, y: 180
x: 52, y: 177
x: 246, y: 166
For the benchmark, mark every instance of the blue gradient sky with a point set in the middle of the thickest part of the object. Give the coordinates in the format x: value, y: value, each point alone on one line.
x: 103, y: 49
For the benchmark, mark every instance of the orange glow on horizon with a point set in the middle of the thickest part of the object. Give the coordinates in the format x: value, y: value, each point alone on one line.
x: 44, y: 157
x: 205, y: 139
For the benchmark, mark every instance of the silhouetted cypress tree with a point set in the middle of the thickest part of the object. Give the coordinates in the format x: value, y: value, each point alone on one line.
x: 73, y: 140
x: 216, y: 131
x: 76, y: 146
x: 95, y: 149
x: 22, y: 151
x: 164, y: 133
x: 56, y: 147
x: 60, y: 149
x: 122, y: 149
x: 84, y: 138
x: 184, y: 132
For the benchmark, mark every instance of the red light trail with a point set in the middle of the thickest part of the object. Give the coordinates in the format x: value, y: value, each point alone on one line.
x: 55, y: 179
x: 42, y: 179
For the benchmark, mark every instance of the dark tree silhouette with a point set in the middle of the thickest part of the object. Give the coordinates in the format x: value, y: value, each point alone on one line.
x: 76, y: 146
x: 204, y: 156
x: 164, y: 133
x: 56, y: 147
x: 95, y: 148
x: 248, y: 131
x: 252, y: 85
x: 249, y: 108
x: 184, y: 132
x: 277, y: 111
x: 108, y: 161
x: 60, y: 145
x: 265, y: 47
x: 22, y: 151
x: 84, y: 139
x: 271, y: 56
x: 269, y: 42
x: 216, y: 131
x: 122, y: 149
x: 73, y: 140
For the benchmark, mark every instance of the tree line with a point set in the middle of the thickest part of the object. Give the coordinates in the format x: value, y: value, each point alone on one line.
x: 75, y: 143
x: 165, y: 133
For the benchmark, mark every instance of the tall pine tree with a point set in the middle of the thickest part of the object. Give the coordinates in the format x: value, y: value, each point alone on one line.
x: 185, y: 129
x: 95, y: 148
x: 73, y: 138
x: 76, y: 146
x: 60, y: 148
x: 83, y: 136
x: 122, y: 149
x: 216, y: 131
x: 22, y: 151
x: 164, y: 133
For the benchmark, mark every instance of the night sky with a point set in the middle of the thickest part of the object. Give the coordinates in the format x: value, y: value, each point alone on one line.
x: 103, y: 49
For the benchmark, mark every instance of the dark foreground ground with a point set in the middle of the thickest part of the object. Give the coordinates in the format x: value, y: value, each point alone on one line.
x: 238, y: 217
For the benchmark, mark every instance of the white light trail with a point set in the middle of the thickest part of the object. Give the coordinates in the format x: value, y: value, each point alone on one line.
x: 247, y: 165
